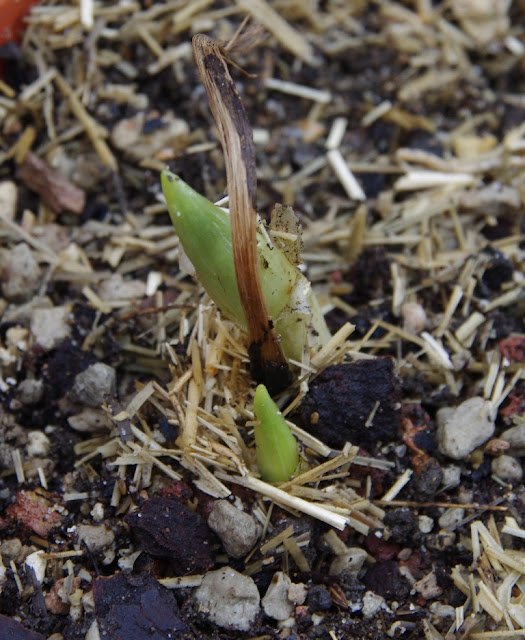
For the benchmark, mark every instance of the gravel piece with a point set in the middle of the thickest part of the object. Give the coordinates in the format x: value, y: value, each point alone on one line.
x: 465, y: 429
x: 116, y: 288
x: 228, y: 598
x: 50, y: 326
x: 372, y: 603
x: 97, y: 537
x: 30, y: 391
x: 426, y: 482
x: 428, y: 587
x: 442, y: 610
x: 297, y: 593
x: 425, y: 523
x: 38, y: 444
x: 507, y: 468
x: 20, y: 274
x: 37, y: 564
x: 237, y: 529
x: 275, y: 602
x: 451, y: 476
x: 402, y: 524
x: 131, y: 135
x: 451, y: 517
x: 515, y: 436
x: 89, y: 420
x: 10, y: 549
x: 93, y: 383
x: 350, y: 562
x: 319, y: 598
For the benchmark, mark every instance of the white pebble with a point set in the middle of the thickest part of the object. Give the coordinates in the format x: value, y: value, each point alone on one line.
x: 97, y: 513
x: 38, y: 564
x: 275, y: 602
x: 372, y: 603
x: 465, y: 429
x: 425, y: 523
x: 38, y: 444
x: 19, y: 273
x: 228, y: 598
x: 50, y: 326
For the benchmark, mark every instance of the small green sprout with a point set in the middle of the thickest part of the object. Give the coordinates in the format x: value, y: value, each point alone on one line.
x: 275, y: 445
x: 205, y: 234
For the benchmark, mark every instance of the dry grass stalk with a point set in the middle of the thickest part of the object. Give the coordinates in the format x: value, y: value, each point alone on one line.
x: 267, y: 360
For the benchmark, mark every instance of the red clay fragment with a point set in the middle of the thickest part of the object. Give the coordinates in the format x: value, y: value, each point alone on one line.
x: 34, y: 511
x: 514, y: 406
x: 57, y: 191
x: 513, y: 348
x: 381, y: 549
x: 13, y: 13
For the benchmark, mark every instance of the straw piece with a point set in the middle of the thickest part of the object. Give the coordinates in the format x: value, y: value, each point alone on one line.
x: 286, y: 35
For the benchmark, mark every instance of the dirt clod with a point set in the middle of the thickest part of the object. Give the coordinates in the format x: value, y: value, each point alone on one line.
x: 356, y: 402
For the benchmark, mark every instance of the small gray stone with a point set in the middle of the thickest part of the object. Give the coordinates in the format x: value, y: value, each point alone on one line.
x: 30, y: 391
x: 372, y: 602
x: 349, y: 562
x: 20, y: 274
x: 428, y: 586
x: 97, y: 537
x: 451, y: 476
x: 93, y: 383
x: 275, y: 602
x: 228, y: 598
x: 515, y: 436
x: 50, y: 326
x: 441, y: 610
x: 451, y: 517
x: 237, y: 529
x: 117, y: 288
x: 507, y: 468
x: 465, y: 429
x: 425, y: 524
x: 89, y: 420
x: 11, y: 549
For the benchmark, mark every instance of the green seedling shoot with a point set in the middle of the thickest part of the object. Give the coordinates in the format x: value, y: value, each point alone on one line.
x: 205, y: 235
x: 275, y: 445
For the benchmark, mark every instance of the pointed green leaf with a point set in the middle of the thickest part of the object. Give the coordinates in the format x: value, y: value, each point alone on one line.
x: 276, y: 447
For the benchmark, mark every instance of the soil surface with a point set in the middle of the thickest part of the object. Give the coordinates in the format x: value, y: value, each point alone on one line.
x: 130, y: 500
